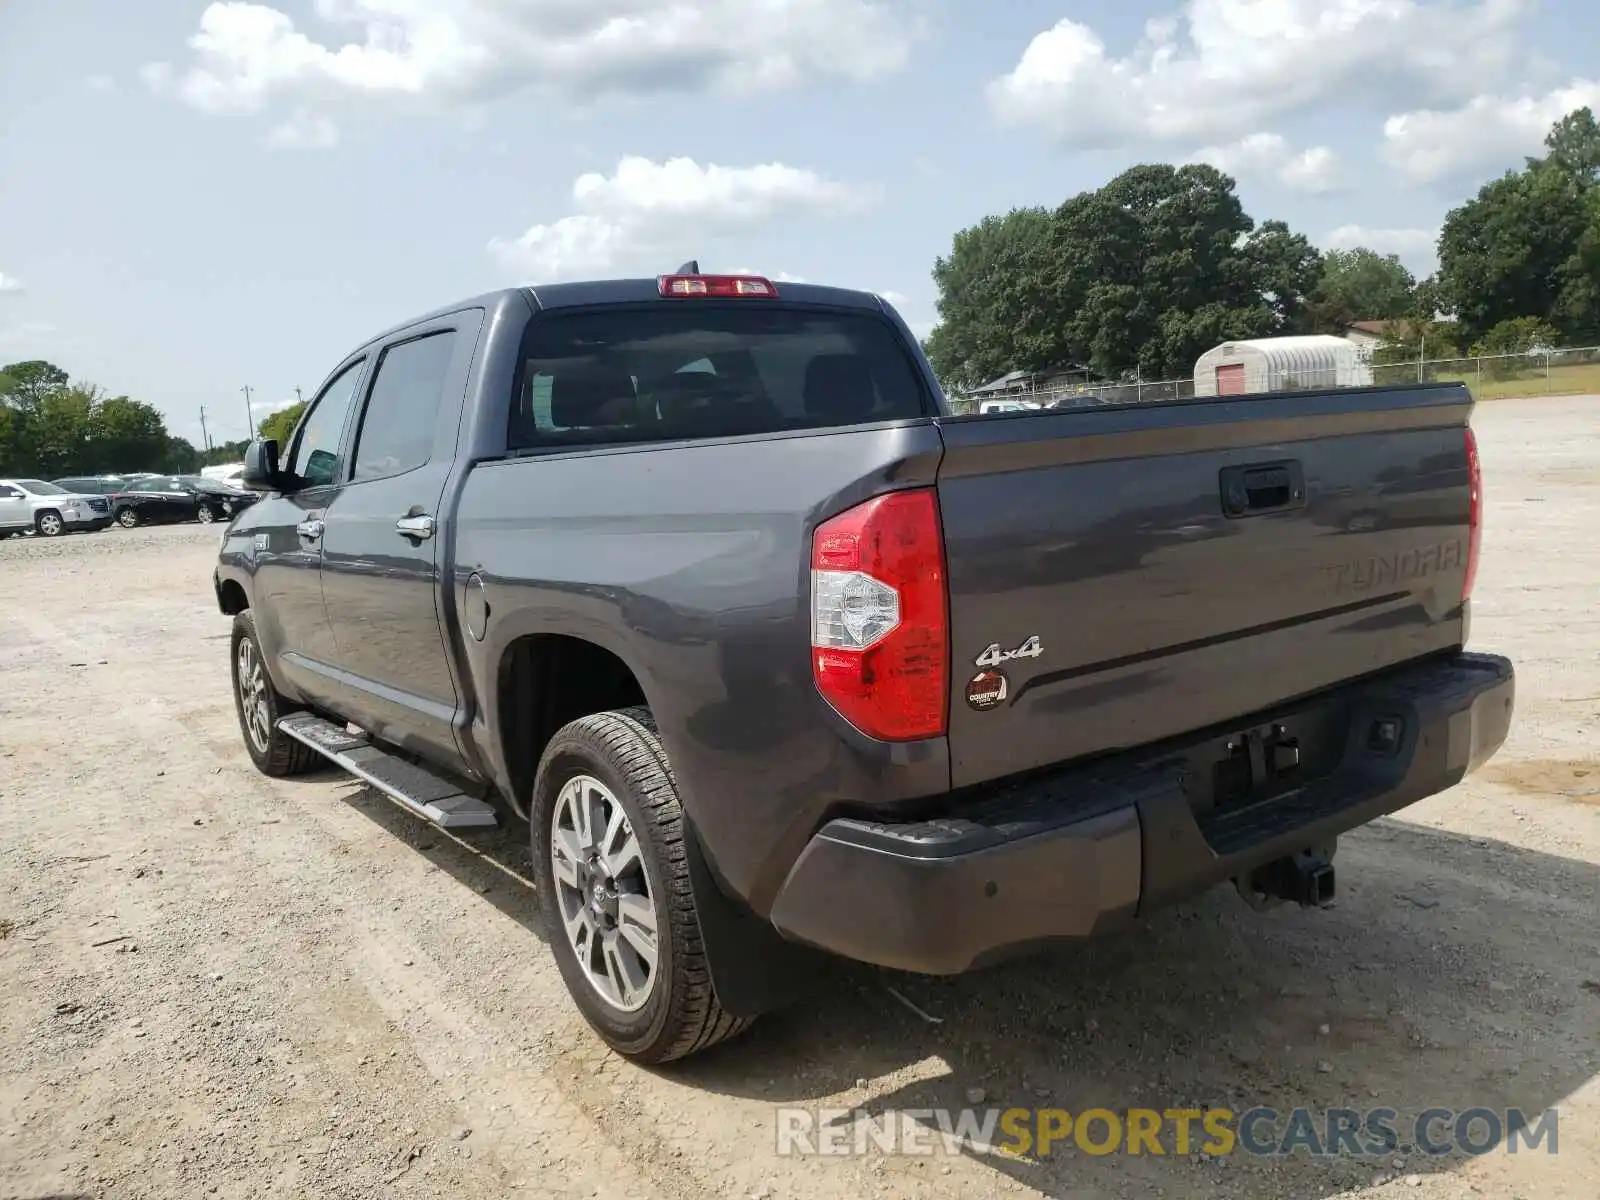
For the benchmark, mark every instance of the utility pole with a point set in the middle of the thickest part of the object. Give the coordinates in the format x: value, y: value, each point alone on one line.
x: 301, y: 399
x: 249, y: 415
x: 205, y: 435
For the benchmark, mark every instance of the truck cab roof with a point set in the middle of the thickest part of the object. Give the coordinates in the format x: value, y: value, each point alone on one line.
x: 594, y: 292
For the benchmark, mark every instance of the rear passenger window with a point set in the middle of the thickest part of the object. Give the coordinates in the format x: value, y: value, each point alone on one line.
x: 691, y: 370
x: 397, y: 429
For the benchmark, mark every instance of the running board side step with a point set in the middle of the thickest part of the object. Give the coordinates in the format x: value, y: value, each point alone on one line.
x: 430, y: 796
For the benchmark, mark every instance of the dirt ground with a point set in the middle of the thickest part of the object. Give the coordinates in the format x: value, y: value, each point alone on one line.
x: 212, y: 984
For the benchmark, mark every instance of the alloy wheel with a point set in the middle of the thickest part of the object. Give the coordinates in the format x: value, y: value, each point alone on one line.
x: 603, y: 893
x: 252, y: 685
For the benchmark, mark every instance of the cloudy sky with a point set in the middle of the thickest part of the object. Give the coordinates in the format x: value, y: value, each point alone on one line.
x: 198, y: 196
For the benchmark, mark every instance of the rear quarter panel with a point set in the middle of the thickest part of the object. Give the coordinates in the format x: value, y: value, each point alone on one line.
x: 691, y: 563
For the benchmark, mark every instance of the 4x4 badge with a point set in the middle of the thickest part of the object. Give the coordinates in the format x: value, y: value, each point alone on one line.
x: 994, y: 656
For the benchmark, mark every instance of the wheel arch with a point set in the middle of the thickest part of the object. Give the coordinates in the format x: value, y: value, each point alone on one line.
x: 231, y: 597
x: 542, y: 682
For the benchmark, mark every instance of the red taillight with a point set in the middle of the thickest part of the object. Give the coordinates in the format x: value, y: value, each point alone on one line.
x: 878, y: 616
x: 717, y: 285
x: 1474, y: 513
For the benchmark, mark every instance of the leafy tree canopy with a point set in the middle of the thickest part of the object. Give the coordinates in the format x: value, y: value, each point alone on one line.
x: 1361, y: 285
x: 1528, y: 244
x: 281, y: 424
x: 51, y: 427
x: 1142, y: 275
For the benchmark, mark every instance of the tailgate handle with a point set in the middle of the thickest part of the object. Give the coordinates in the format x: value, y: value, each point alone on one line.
x: 1262, y: 488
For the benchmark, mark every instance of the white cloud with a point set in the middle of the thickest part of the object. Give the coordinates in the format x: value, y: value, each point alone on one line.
x: 1417, y: 248
x: 1487, y: 132
x: 1268, y: 156
x: 104, y: 84
x: 303, y: 131
x: 10, y: 283
x: 649, y: 216
x: 24, y: 335
x: 779, y: 277
x: 1230, y: 66
x: 245, y: 56
x: 265, y: 408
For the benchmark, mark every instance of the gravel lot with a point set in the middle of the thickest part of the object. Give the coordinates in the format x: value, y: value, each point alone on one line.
x: 216, y: 984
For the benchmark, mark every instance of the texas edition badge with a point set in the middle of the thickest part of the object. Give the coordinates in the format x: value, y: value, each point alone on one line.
x: 986, y: 690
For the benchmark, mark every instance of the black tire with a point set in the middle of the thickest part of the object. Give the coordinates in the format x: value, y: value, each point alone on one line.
x: 274, y: 753
x: 49, y: 523
x: 682, y: 1015
x: 128, y: 517
x: 204, y: 515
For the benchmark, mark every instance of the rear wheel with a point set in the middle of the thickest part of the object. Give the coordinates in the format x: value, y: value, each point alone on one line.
x: 613, y: 878
x: 259, y: 706
x: 49, y: 523
x: 128, y: 517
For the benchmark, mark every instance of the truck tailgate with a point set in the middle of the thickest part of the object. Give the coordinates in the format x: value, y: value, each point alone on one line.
x: 1136, y: 573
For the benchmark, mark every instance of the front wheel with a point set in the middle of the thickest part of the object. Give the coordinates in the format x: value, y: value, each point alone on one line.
x: 613, y: 877
x: 259, y: 706
x: 49, y: 524
x: 204, y: 515
x: 128, y: 518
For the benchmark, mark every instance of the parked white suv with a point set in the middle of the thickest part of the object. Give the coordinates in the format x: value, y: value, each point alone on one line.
x: 43, y: 508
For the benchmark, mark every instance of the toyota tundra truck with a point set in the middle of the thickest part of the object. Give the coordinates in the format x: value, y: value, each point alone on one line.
x: 780, y: 660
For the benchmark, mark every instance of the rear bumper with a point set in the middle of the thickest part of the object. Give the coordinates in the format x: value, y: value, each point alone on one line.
x: 1075, y: 853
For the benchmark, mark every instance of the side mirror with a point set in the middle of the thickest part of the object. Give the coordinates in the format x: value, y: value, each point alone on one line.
x: 260, y: 472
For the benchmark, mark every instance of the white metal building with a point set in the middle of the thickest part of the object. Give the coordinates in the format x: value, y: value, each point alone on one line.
x: 1280, y: 364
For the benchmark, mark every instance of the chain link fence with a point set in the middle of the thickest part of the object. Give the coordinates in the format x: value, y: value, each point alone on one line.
x: 1543, y: 372
x: 1552, y: 372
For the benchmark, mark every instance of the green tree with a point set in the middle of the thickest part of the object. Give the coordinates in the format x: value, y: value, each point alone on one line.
x: 1361, y: 285
x: 281, y: 424
x: 1574, y: 145
x: 126, y: 435
x: 180, y: 457
x: 1414, y: 338
x: 61, y: 429
x: 1142, y: 275
x: 1517, y: 336
x: 1288, y: 269
x: 29, y: 383
x: 1529, y: 243
x: 984, y: 306
x: 50, y: 426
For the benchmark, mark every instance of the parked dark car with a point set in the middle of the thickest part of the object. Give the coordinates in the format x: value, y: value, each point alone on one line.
x: 180, y: 498
x: 125, y: 509
x: 702, y: 578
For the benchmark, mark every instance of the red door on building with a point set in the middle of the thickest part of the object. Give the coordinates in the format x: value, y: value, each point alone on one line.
x: 1230, y: 380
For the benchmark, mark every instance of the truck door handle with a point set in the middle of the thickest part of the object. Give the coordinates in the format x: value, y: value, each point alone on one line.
x: 420, y: 527
x: 1262, y: 488
x: 310, y: 530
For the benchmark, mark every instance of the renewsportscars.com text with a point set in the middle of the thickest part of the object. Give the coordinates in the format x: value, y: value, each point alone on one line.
x: 1260, y: 1131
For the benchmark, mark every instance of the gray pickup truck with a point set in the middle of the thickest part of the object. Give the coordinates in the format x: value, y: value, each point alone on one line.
x: 780, y: 660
